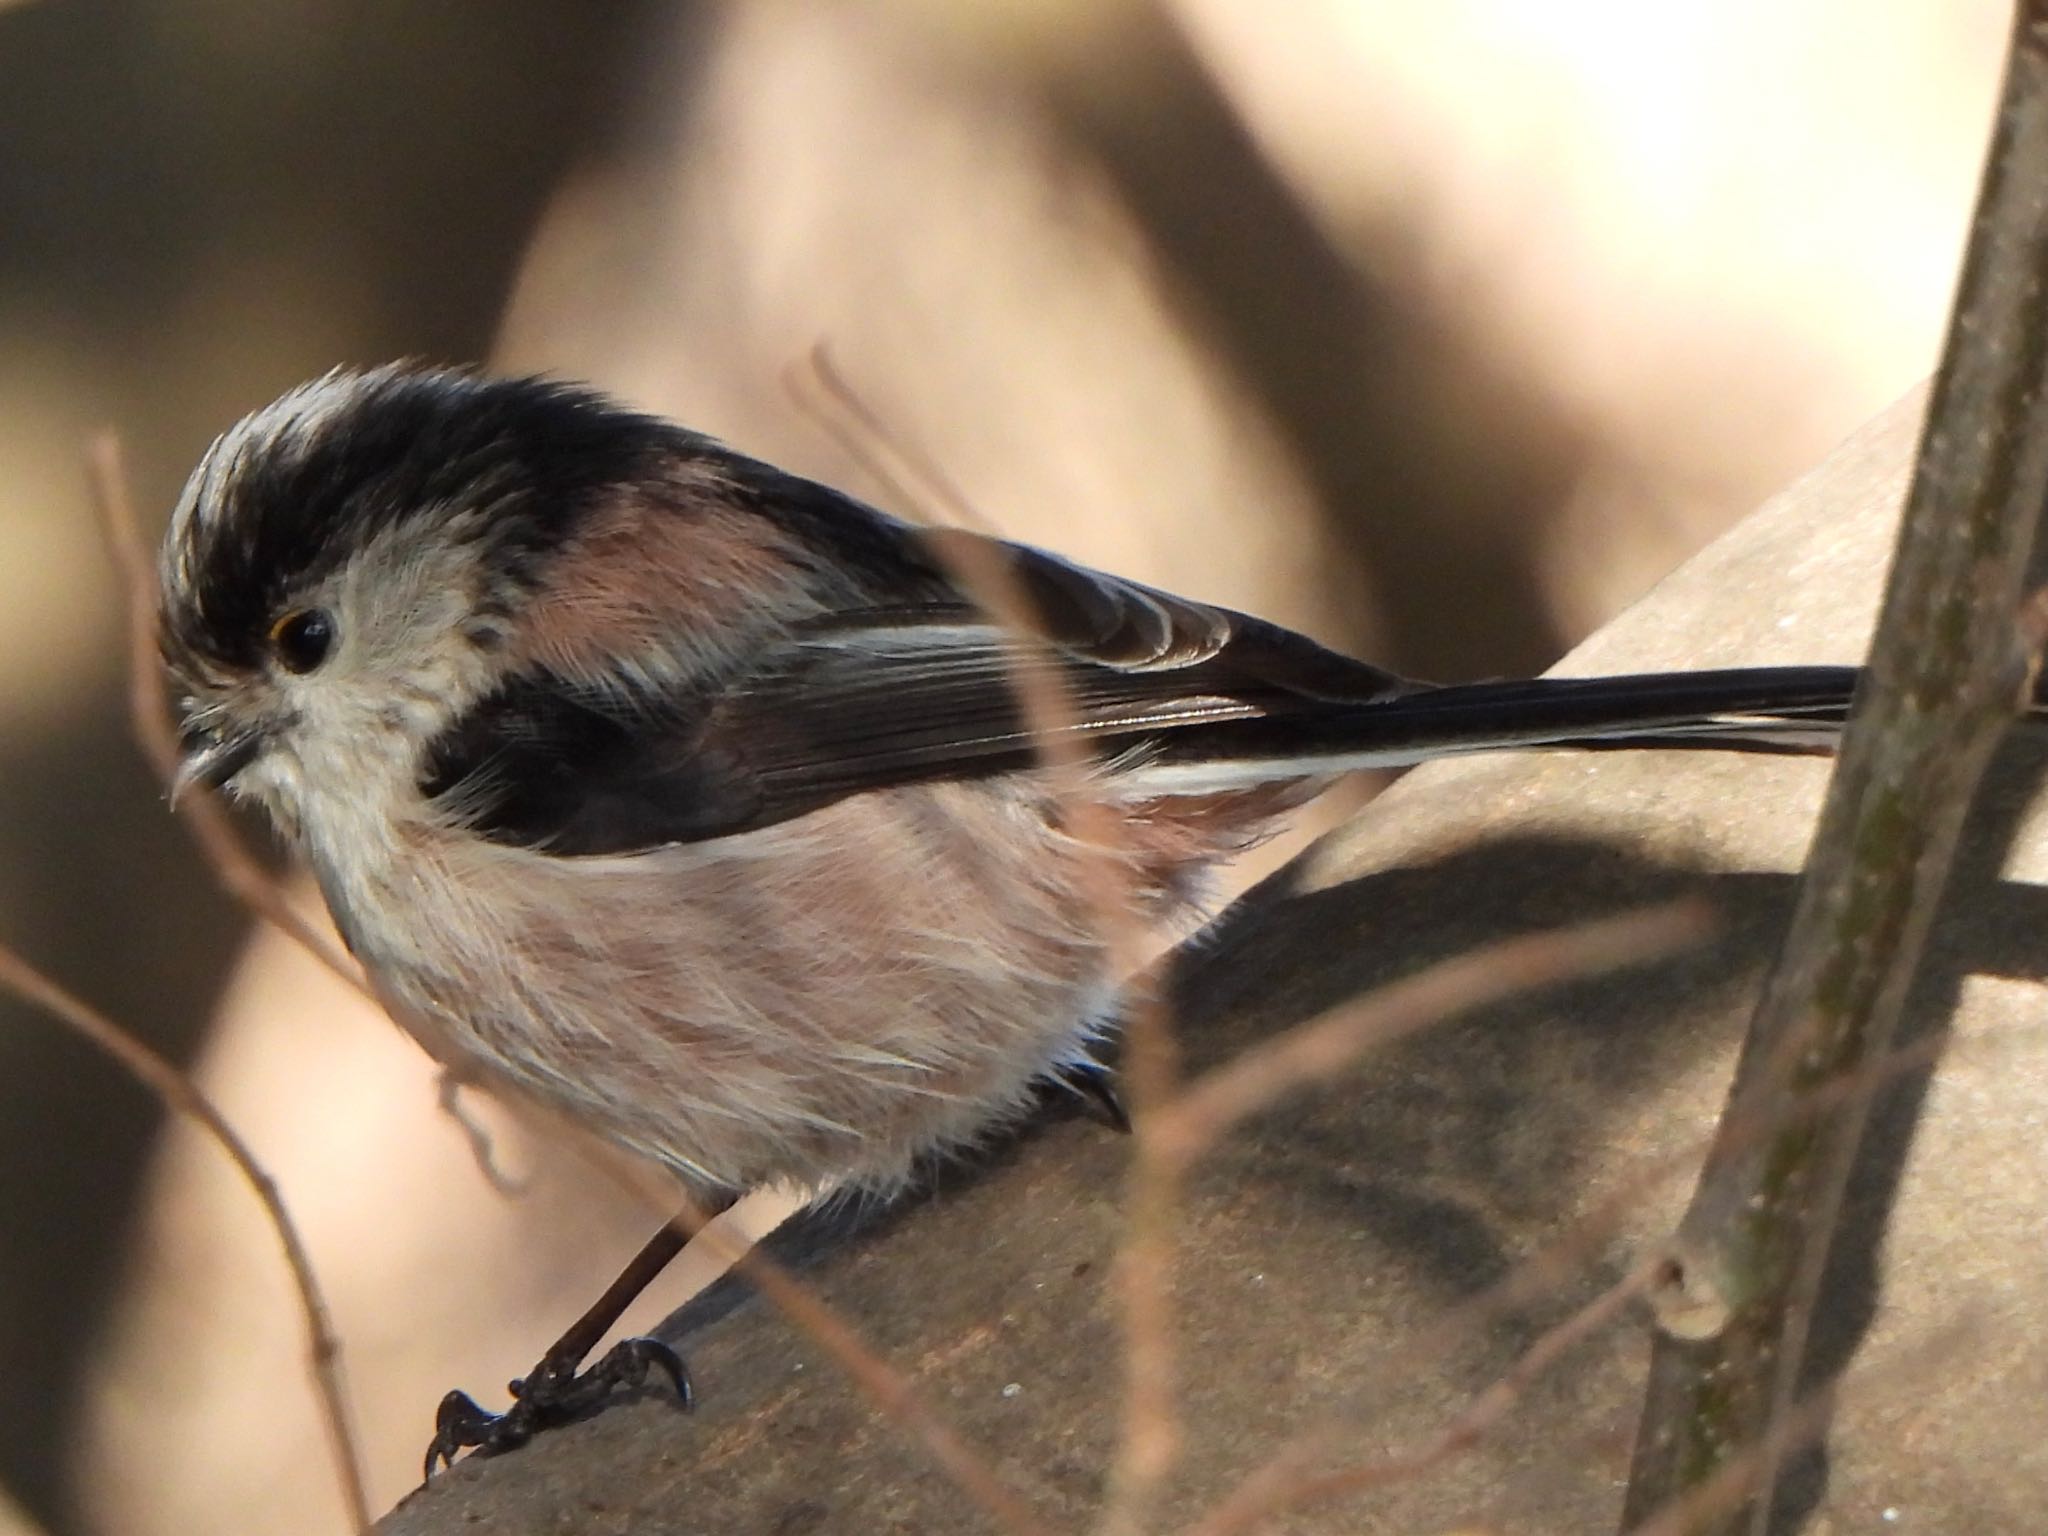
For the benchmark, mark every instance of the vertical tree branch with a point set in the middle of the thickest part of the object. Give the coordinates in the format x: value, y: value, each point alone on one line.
x: 1948, y: 670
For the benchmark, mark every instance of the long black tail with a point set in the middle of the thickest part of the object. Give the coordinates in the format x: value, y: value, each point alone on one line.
x: 1770, y: 709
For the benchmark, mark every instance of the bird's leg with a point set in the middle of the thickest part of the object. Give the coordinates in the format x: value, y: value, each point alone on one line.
x: 554, y: 1392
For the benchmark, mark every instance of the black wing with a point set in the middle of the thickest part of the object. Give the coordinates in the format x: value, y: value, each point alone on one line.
x: 873, y: 697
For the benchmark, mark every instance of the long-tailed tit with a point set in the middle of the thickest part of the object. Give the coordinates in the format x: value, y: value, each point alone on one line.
x: 696, y: 801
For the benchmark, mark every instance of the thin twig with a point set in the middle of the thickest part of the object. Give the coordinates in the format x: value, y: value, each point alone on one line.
x: 887, y: 1387
x: 483, y: 1146
x: 884, y: 1385
x: 1170, y: 1128
x: 17, y: 1521
x: 1484, y: 1411
x: 912, y: 477
x: 1198, y: 1116
x: 1144, y: 1280
x: 1311, y: 1052
x: 238, y: 870
x: 182, y: 1096
x: 1949, y: 670
x: 1283, y: 1480
x: 246, y: 881
x: 1143, y: 1272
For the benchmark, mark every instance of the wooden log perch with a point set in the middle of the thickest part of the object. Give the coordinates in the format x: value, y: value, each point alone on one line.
x: 1412, y: 1283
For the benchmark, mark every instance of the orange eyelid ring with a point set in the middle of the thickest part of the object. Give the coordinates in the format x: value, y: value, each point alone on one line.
x: 301, y: 638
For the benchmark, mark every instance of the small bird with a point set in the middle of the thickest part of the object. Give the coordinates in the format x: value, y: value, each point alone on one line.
x: 702, y: 804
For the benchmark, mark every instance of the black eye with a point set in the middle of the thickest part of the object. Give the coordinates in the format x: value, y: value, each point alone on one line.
x: 302, y: 638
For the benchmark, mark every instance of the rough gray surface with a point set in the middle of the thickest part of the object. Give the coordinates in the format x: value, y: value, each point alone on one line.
x: 1332, y: 1233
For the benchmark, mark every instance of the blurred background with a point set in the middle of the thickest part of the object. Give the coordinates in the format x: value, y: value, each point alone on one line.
x: 1439, y: 329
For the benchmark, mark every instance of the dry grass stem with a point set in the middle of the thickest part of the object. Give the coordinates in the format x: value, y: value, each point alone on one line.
x: 249, y: 883
x: 240, y: 873
x: 1282, y: 1480
x: 884, y: 1385
x: 1309, y: 1053
x: 887, y: 1387
x: 1465, y: 1430
x: 1144, y: 1263
x: 911, y: 477
x: 483, y: 1146
x: 182, y: 1096
x: 16, y: 1521
x: 1171, y: 1128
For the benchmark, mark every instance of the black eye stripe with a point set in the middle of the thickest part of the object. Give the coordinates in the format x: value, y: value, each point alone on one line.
x: 302, y: 639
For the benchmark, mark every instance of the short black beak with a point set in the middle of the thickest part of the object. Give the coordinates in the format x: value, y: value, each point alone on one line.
x: 212, y: 757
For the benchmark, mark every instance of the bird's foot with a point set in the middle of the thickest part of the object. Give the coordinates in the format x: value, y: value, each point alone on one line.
x: 554, y: 1393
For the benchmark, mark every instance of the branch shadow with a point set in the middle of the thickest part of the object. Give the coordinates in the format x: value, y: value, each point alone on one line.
x: 1435, y: 1167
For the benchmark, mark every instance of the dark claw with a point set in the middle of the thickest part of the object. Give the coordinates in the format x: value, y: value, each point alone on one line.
x: 625, y: 1366
x: 553, y: 1394
x: 1096, y: 1084
x: 459, y: 1423
x: 630, y: 1360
